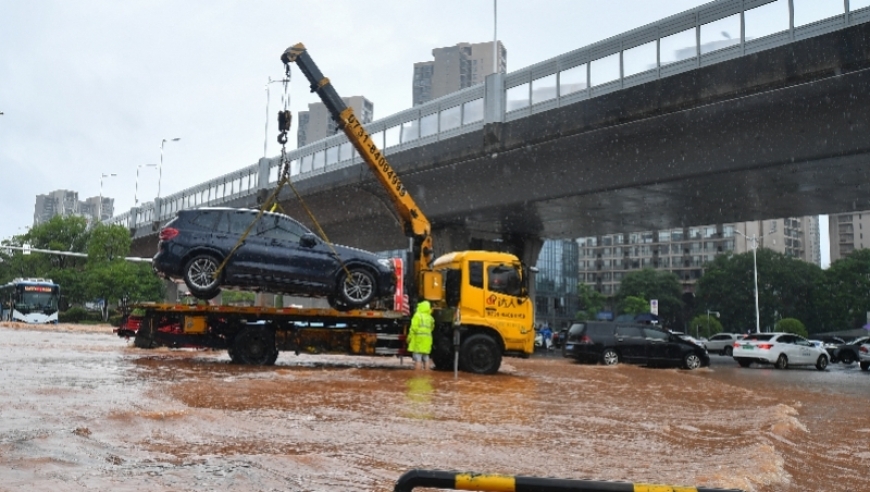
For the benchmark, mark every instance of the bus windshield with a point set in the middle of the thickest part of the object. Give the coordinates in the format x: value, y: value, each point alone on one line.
x: 37, y: 301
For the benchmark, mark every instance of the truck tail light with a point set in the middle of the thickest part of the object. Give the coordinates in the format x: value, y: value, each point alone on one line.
x: 167, y: 233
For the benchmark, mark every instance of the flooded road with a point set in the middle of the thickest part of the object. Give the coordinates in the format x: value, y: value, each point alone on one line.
x: 87, y: 411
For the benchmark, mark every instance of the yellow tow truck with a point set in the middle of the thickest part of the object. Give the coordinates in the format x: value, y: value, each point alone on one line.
x: 480, y: 299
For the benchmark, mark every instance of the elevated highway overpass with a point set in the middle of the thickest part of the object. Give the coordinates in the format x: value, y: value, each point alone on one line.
x: 771, y: 127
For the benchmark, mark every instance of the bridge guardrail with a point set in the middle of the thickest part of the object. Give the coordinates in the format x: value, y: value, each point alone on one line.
x: 676, y: 44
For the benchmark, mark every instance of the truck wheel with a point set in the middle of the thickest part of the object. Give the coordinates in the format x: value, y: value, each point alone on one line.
x: 480, y: 354
x: 255, y: 346
x: 145, y: 337
x: 847, y: 358
x: 199, y: 276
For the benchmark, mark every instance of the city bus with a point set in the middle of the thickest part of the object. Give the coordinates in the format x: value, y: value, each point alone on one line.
x: 29, y: 300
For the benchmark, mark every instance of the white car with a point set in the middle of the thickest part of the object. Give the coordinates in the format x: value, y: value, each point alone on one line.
x: 864, y: 356
x: 722, y: 343
x: 780, y: 349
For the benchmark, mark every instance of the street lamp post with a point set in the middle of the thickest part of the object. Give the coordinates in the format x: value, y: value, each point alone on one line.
x: 100, y: 213
x: 136, y: 194
x: 708, y: 320
x: 754, y: 240
x: 160, y: 169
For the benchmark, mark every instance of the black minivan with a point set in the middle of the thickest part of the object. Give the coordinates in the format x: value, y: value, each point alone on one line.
x: 611, y: 343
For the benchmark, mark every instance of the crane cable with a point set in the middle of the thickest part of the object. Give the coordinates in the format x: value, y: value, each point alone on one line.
x: 285, y: 118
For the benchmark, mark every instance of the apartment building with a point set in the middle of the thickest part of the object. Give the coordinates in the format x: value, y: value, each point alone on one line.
x: 454, y: 68
x: 65, y: 203
x: 317, y: 124
x: 847, y: 233
x: 605, y: 260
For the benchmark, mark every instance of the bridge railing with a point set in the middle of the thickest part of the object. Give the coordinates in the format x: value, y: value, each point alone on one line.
x: 712, y: 33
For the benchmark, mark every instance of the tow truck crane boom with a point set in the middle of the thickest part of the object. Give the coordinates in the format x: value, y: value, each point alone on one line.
x: 414, y: 223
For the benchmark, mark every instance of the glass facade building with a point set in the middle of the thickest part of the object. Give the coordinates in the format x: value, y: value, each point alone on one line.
x: 556, y: 300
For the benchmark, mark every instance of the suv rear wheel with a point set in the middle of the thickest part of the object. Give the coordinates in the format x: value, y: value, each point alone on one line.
x: 199, y: 276
x: 609, y: 357
x: 357, y: 287
x: 727, y: 351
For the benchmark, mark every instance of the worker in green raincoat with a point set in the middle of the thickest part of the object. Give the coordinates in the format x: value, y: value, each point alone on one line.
x: 420, y: 335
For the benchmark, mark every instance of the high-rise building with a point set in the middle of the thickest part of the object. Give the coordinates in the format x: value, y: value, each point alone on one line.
x: 65, y: 203
x: 455, y: 68
x: 59, y: 202
x: 847, y: 233
x: 317, y: 124
x: 605, y: 260
x: 556, y: 300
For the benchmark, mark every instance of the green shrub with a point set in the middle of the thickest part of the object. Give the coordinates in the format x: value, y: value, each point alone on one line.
x: 72, y: 315
x: 791, y: 325
x: 115, y: 319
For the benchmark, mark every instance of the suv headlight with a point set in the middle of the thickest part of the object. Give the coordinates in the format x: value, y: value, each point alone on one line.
x: 386, y: 263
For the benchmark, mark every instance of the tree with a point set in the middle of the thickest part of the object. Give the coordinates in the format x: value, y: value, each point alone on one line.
x: 591, y: 302
x: 791, y: 325
x: 655, y: 284
x: 843, y: 298
x: 633, y: 305
x: 787, y: 287
x: 110, y: 278
x: 706, y: 326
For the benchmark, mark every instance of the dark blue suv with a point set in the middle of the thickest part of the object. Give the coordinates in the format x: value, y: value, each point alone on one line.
x: 279, y: 255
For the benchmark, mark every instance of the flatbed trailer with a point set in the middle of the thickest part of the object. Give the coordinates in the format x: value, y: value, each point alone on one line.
x: 255, y: 335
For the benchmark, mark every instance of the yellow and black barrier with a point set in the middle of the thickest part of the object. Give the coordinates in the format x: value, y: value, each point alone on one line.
x: 506, y: 483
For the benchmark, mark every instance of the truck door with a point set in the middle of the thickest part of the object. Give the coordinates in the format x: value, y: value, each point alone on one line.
x: 502, y: 302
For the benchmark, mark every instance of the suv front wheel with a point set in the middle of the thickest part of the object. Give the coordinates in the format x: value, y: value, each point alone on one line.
x: 356, y: 287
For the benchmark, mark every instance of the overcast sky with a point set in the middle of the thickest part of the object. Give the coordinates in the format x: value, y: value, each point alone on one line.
x: 93, y: 87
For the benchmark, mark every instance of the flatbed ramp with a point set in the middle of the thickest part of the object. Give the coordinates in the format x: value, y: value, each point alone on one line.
x: 255, y: 335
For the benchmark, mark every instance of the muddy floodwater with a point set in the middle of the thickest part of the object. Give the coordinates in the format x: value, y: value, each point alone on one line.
x: 84, y: 410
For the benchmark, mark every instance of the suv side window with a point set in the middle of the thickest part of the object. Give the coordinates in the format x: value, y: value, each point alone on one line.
x: 223, y: 223
x: 599, y: 330
x: 205, y: 220
x: 652, y: 334
x: 717, y: 338
x: 629, y: 331
x: 239, y: 222
x: 293, y: 228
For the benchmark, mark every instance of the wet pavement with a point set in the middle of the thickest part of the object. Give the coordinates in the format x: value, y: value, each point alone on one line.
x: 87, y: 411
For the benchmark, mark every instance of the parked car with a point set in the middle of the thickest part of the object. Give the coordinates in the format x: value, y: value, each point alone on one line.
x: 722, y: 343
x: 847, y: 353
x: 278, y: 255
x: 780, y: 349
x: 864, y: 355
x: 831, y: 343
x: 611, y: 343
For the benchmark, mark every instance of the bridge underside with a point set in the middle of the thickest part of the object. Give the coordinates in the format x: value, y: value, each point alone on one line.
x: 781, y: 133
x: 794, y: 151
